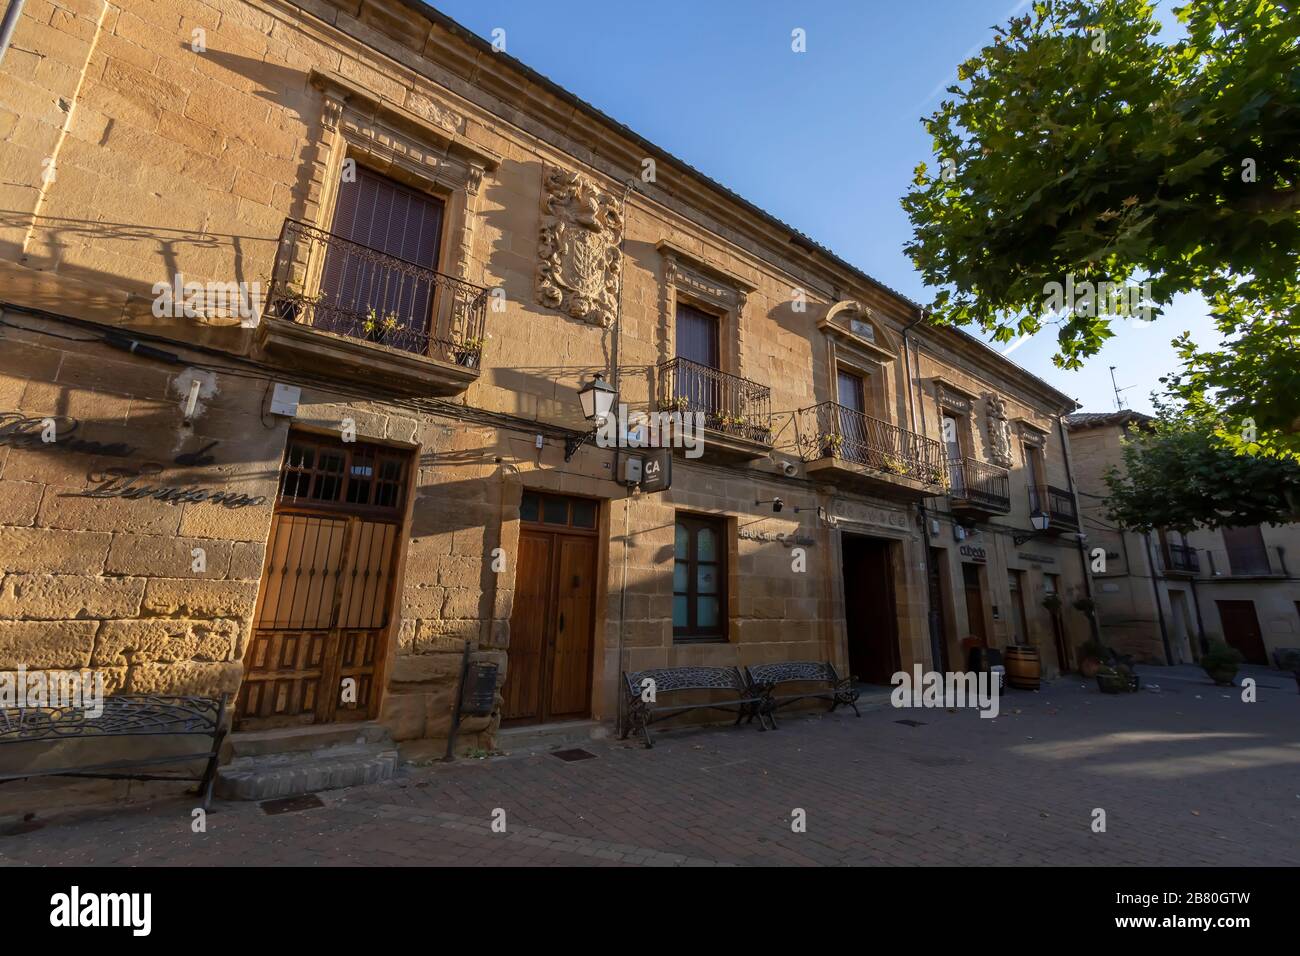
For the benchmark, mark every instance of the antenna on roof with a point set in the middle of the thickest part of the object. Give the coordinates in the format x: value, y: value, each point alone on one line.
x: 1119, y: 399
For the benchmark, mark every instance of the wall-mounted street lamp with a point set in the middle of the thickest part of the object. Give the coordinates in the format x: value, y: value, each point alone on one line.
x: 597, y: 398
x: 1041, y: 520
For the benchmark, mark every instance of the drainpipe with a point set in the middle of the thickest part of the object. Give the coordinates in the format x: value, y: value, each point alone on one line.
x: 1155, y: 589
x: 1200, y: 623
x: 616, y: 381
x: 9, y: 24
x: 1083, y: 553
x: 932, y: 613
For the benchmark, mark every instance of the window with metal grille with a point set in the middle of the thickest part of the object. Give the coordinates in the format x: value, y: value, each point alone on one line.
x: 321, y: 472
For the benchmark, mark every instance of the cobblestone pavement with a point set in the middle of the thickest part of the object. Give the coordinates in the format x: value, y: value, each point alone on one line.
x: 1188, y: 775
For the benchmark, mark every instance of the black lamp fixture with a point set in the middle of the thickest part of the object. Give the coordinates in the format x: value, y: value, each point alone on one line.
x: 597, y: 398
x: 776, y: 503
x: 1041, y: 520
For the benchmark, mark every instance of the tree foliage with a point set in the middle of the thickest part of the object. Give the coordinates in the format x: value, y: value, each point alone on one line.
x: 1179, y: 473
x: 1078, y: 143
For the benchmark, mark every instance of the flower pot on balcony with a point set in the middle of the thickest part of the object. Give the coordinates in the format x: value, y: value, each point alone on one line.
x: 467, y: 359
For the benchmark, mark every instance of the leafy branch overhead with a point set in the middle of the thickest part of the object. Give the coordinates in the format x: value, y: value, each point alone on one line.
x: 1079, y: 143
x: 1178, y: 473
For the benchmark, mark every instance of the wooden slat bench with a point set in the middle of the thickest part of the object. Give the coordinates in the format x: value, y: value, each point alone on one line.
x: 126, y: 715
x: 734, y: 693
x: 768, y: 678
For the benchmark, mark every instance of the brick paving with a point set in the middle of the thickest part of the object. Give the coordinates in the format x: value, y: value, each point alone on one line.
x: 1187, y: 776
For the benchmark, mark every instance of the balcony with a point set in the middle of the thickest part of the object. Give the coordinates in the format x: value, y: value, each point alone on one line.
x: 1181, y: 559
x: 1246, y: 563
x: 737, y: 412
x: 343, y: 309
x: 1059, y: 505
x: 977, y: 489
x: 845, y: 445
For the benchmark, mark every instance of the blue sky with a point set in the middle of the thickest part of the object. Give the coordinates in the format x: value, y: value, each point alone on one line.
x: 825, y: 140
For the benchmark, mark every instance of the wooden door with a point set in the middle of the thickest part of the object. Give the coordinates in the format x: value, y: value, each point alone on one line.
x: 1241, y: 629
x: 938, y: 621
x: 869, y: 609
x: 550, y: 659
x: 327, y: 590
x: 569, y: 670
x: 970, y: 574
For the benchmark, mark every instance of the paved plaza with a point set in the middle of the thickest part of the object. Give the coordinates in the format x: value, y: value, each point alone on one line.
x: 1187, y: 775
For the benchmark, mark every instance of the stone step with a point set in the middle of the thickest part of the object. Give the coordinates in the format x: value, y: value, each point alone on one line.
x: 553, y: 736
x: 296, y: 772
x: 254, y: 743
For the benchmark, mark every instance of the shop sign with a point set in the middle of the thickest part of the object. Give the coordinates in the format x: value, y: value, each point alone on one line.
x: 973, y: 551
x: 788, y: 540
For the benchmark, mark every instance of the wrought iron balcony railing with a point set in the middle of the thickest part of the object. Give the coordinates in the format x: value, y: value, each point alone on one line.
x: 730, y: 404
x: 830, y: 430
x: 341, y: 286
x: 979, y: 483
x: 1057, y: 502
x: 1182, y: 558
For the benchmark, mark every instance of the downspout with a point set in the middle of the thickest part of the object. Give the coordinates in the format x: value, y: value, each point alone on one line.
x: 615, y: 380
x: 614, y: 376
x: 932, y: 613
x: 9, y: 24
x: 1155, y: 590
x: 1200, y: 623
x: 1078, y: 540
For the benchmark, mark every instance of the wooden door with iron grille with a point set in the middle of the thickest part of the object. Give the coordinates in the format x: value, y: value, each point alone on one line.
x: 328, y: 586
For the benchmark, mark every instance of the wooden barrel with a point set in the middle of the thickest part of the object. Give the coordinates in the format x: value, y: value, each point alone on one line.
x: 1023, y: 666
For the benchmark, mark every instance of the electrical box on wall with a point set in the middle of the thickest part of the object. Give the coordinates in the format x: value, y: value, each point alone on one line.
x: 632, y: 469
x: 284, y: 399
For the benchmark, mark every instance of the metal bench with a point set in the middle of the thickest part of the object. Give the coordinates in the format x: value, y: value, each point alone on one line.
x: 737, y: 693
x: 838, y: 690
x: 1288, y: 659
x: 126, y: 715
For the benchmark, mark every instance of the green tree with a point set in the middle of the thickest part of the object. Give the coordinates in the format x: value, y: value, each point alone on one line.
x: 1078, y: 143
x: 1179, y: 473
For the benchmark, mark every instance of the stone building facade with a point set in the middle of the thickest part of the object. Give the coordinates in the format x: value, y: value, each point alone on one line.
x: 1163, y: 594
x: 385, y: 461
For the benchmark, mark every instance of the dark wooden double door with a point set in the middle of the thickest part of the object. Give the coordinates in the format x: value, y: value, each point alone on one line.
x: 548, y: 676
x: 319, y: 636
x: 870, y: 608
x: 1241, y: 630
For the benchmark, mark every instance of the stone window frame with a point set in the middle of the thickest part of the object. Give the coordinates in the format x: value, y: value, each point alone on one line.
x: 868, y: 358
x: 960, y: 403
x: 388, y: 139
x: 688, y: 279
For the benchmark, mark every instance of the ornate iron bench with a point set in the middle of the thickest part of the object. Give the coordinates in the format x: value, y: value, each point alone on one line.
x: 838, y: 690
x: 740, y: 697
x: 127, y: 715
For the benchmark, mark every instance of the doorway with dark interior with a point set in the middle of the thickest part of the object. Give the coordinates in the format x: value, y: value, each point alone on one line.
x: 870, y: 608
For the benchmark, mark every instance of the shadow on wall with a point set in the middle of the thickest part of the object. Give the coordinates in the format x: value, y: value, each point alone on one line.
x: 47, y: 238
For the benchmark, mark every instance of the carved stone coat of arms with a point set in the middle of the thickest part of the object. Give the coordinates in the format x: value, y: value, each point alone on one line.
x: 578, y: 248
x: 999, y: 431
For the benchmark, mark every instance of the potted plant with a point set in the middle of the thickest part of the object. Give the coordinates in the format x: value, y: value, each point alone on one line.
x: 1117, y: 679
x: 1221, y: 663
x: 1092, y: 653
x: 1085, y: 605
x: 894, y: 466
x: 1053, y: 603
x: 467, y: 352
x: 830, y: 442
